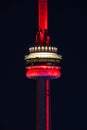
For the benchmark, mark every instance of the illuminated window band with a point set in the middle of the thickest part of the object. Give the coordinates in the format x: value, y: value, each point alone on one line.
x: 43, y: 48
x: 43, y: 55
x: 43, y: 71
x: 42, y: 60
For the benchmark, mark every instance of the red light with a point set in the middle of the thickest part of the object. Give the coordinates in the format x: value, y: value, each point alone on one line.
x: 43, y: 14
x: 47, y: 105
x: 43, y: 71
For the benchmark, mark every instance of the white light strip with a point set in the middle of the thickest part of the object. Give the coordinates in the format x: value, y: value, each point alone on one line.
x: 43, y: 55
x: 43, y: 48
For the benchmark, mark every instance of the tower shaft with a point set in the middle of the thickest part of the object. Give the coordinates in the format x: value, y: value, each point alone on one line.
x: 43, y: 105
x: 43, y: 64
x: 48, y: 114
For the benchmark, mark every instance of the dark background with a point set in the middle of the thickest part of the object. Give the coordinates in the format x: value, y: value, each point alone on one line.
x: 67, y: 28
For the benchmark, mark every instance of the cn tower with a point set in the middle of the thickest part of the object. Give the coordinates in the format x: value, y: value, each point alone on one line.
x: 42, y: 65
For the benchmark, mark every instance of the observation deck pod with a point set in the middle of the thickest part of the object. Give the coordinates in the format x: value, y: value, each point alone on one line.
x: 47, y: 72
x: 43, y: 62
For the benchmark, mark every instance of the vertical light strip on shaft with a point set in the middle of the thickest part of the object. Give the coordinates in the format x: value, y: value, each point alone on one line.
x: 40, y: 105
x: 43, y: 15
x: 47, y: 105
x: 37, y: 105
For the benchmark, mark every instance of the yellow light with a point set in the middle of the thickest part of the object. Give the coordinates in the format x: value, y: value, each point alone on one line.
x: 32, y: 48
x: 55, y: 49
x: 46, y: 48
x: 49, y: 48
x: 43, y: 55
x: 52, y: 48
x: 42, y: 48
x: 35, y: 48
x: 39, y: 48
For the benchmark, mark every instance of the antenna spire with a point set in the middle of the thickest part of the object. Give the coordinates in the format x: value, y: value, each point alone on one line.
x: 42, y: 15
x: 42, y: 37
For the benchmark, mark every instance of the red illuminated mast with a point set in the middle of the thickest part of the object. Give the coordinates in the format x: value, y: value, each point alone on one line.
x: 42, y: 15
x: 42, y: 37
x: 43, y: 64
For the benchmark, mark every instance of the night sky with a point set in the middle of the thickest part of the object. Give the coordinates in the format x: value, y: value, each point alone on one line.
x: 68, y: 31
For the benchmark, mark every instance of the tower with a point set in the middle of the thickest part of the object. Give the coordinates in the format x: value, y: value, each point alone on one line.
x: 42, y: 64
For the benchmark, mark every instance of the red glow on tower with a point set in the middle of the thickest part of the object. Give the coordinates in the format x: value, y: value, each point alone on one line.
x: 43, y: 15
x: 43, y: 64
x: 42, y: 37
x: 47, y: 105
x: 43, y: 71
